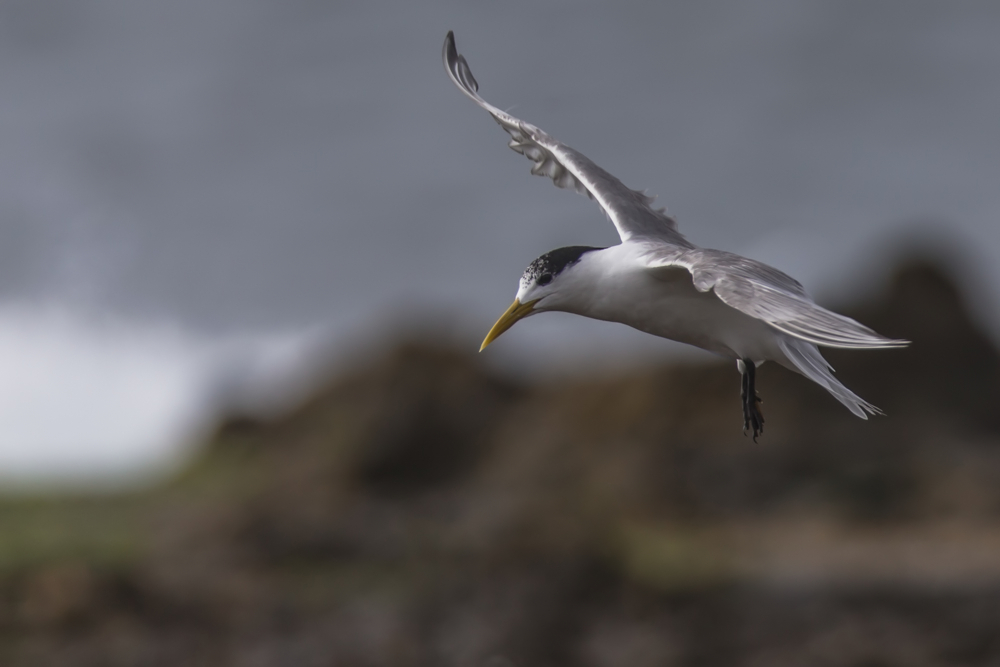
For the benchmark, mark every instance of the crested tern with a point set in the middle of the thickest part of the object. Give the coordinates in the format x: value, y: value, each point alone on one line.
x: 658, y: 282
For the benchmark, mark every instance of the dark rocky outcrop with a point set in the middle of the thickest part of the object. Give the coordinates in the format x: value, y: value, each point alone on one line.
x: 422, y: 510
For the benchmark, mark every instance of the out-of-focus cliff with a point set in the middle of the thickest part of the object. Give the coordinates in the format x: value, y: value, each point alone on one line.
x: 425, y: 511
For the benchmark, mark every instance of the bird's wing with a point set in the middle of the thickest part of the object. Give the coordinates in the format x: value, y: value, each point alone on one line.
x: 767, y: 294
x: 628, y: 209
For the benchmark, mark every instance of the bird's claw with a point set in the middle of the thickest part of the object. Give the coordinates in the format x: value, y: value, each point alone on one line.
x: 753, y: 417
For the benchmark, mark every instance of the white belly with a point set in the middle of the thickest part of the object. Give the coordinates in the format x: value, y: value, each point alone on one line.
x: 668, y: 305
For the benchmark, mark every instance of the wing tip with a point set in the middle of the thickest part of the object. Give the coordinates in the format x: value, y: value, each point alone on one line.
x: 450, y: 52
x: 861, y: 338
x: 457, y: 68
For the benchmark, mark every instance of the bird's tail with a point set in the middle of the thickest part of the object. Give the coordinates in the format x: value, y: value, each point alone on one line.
x: 806, y: 359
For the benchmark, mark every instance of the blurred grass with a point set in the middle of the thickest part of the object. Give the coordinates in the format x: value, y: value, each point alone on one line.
x: 114, y: 530
x: 674, y: 559
x: 229, y: 468
x: 104, y: 531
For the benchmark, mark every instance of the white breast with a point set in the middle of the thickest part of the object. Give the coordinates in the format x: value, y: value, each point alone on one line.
x: 615, y: 285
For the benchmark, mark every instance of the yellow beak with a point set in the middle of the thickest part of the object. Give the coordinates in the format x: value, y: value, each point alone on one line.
x: 516, y: 312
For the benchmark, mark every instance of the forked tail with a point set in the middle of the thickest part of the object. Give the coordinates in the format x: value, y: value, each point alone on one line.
x: 806, y: 358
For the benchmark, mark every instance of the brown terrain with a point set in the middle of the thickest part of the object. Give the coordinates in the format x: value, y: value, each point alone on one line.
x: 422, y: 510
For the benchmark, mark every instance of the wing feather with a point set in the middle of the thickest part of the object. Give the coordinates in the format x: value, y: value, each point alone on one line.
x: 767, y: 294
x: 629, y: 210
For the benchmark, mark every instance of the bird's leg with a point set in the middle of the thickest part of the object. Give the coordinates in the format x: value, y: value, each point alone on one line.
x: 753, y: 418
x: 744, y: 392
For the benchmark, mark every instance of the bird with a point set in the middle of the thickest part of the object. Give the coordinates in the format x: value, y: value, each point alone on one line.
x: 659, y: 282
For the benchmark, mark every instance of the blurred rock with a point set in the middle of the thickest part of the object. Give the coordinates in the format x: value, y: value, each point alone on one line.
x: 422, y: 510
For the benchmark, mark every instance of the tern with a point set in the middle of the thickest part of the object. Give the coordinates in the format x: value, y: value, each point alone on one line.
x: 658, y: 282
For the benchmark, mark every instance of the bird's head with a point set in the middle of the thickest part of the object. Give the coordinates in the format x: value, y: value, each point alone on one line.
x: 543, y: 283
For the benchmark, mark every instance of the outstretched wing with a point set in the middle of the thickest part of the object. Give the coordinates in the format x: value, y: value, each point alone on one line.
x: 769, y: 295
x: 628, y: 209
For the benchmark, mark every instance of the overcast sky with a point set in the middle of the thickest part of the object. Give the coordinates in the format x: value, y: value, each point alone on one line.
x: 196, y: 193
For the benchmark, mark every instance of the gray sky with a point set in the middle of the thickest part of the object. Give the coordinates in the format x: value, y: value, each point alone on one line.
x: 217, y: 183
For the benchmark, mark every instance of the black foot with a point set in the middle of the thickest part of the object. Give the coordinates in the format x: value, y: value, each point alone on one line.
x: 753, y: 418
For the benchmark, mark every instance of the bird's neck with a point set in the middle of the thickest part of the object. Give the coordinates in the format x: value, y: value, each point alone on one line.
x: 585, y: 285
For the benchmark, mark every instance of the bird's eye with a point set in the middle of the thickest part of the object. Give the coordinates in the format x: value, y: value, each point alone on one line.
x: 544, y: 279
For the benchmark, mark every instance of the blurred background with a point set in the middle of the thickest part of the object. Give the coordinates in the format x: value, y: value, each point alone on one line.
x: 248, y: 251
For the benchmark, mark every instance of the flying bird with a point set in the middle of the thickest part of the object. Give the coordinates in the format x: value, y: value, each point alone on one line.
x: 658, y: 282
